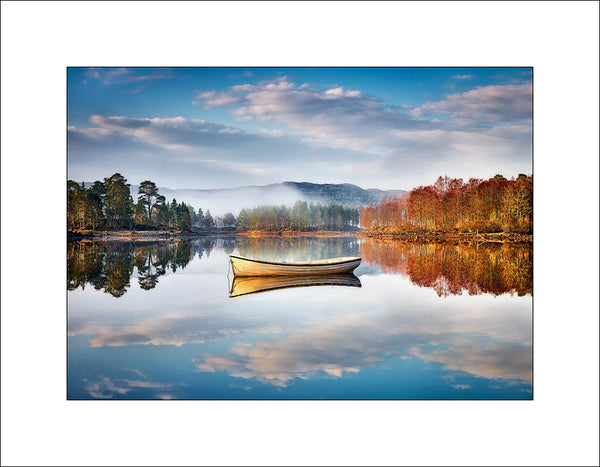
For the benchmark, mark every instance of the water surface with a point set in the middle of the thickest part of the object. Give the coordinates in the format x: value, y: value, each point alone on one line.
x: 156, y: 320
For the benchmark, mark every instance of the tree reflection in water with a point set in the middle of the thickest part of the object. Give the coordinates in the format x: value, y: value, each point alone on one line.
x: 298, y: 248
x: 108, y: 266
x: 149, y: 267
x: 450, y: 269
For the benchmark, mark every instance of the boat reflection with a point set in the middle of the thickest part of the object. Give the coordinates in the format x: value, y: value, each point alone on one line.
x: 246, y: 285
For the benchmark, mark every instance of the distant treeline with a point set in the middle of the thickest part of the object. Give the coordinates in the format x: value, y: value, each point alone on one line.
x: 302, y: 216
x: 450, y: 204
x: 108, y: 205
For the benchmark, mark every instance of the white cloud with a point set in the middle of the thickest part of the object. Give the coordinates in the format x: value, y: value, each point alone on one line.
x: 476, y: 133
x: 339, y: 92
x: 487, y: 104
x: 336, y: 92
x: 213, y: 99
x: 242, y: 87
x: 351, y: 120
x: 136, y: 90
x: 193, y: 153
x: 150, y: 77
x: 175, y: 133
x: 111, y: 76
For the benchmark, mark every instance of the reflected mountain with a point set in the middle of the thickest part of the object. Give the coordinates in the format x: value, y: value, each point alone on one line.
x: 255, y: 284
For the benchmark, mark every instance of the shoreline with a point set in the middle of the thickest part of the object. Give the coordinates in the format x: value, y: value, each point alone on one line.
x: 131, y: 235
x: 430, y: 237
x: 453, y: 237
x: 296, y: 233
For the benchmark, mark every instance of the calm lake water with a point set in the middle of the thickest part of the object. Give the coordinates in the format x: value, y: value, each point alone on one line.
x: 164, y: 320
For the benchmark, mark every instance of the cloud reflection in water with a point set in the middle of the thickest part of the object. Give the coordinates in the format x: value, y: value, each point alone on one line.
x: 356, y: 342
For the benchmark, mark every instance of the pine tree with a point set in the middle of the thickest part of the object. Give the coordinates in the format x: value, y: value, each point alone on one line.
x: 118, y: 202
x: 148, y: 194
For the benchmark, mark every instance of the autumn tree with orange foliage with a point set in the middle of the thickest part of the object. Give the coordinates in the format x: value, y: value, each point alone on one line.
x: 450, y: 204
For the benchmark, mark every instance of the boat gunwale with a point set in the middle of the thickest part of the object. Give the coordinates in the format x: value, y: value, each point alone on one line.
x: 262, y: 261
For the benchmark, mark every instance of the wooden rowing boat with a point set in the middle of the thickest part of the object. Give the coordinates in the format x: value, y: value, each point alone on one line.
x: 256, y: 267
x: 246, y: 285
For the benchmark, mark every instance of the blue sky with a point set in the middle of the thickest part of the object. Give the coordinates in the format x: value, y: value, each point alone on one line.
x: 388, y: 128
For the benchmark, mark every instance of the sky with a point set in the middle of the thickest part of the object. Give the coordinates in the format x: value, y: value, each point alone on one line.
x: 386, y: 128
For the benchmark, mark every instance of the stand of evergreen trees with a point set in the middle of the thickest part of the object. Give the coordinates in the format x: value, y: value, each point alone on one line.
x: 108, y: 205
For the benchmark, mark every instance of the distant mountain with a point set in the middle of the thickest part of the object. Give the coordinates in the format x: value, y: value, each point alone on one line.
x: 345, y: 194
x: 222, y: 200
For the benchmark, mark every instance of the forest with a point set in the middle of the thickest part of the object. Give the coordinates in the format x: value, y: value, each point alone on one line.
x: 108, y: 205
x: 449, y: 205
x: 494, y: 205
